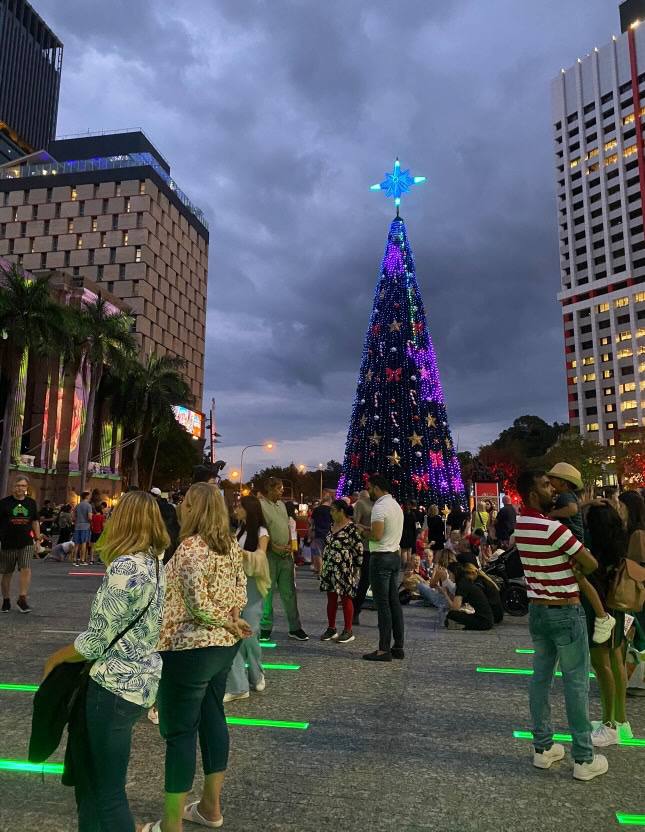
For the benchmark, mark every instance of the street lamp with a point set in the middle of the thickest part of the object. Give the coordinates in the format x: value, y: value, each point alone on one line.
x: 320, y: 467
x: 267, y: 445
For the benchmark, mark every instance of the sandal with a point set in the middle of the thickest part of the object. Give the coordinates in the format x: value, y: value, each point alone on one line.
x: 191, y: 813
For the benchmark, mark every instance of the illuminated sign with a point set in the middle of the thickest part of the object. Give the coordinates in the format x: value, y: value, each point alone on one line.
x: 190, y: 420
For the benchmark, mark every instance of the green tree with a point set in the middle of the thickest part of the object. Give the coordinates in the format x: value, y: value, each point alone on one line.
x: 104, y: 339
x: 173, y: 458
x: 30, y: 321
x: 529, y: 437
x: 587, y: 455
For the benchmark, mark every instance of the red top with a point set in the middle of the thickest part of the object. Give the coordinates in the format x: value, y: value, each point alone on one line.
x: 546, y: 548
x: 97, y: 522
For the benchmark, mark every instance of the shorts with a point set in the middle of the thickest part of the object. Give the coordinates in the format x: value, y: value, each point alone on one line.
x: 317, y: 546
x: 81, y: 536
x: 95, y: 536
x: 617, y: 634
x: 12, y: 559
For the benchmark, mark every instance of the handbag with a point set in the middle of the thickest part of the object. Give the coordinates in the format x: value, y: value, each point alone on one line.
x: 59, y: 694
x: 627, y: 592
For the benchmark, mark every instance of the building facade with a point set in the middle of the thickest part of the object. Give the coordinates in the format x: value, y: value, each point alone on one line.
x: 598, y: 112
x: 105, y: 209
x: 31, y: 58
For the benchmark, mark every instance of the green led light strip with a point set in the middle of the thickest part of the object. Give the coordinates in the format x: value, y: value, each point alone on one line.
x: 519, y: 671
x: 527, y: 735
x: 25, y: 688
x: 35, y: 768
x: 280, y: 666
x: 267, y: 644
x: 630, y: 820
x: 525, y: 652
x: 267, y: 723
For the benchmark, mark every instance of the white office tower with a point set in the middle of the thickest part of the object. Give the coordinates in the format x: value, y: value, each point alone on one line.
x: 598, y: 118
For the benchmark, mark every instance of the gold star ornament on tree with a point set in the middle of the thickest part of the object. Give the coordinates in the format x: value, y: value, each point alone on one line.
x: 394, y: 458
x: 415, y: 439
x: 363, y: 420
x: 375, y: 438
x: 395, y: 326
x: 431, y: 422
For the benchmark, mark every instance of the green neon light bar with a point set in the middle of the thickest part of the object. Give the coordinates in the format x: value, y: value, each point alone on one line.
x: 527, y: 735
x: 268, y: 644
x: 35, y: 768
x: 630, y: 820
x: 267, y: 723
x: 24, y: 688
x: 280, y: 666
x: 518, y: 671
x: 525, y: 652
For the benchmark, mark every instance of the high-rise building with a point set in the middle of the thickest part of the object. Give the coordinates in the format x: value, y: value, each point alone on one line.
x: 105, y: 208
x: 598, y: 112
x: 30, y: 68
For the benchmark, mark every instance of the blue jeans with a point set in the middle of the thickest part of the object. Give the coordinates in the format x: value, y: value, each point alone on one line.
x: 110, y: 720
x: 250, y: 652
x: 436, y: 598
x: 384, y: 578
x: 560, y: 634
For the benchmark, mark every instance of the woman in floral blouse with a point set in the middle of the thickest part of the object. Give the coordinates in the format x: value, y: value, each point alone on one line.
x: 124, y: 678
x: 200, y: 637
x: 342, y: 557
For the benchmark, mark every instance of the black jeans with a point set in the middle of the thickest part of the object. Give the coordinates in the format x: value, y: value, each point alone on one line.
x: 471, y: 621
x: 110, y: 720
x: 384, y: 578
x: 190, y: 701
x: 363, y: 583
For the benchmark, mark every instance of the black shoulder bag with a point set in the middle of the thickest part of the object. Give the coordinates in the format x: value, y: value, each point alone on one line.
x: 64, y: 689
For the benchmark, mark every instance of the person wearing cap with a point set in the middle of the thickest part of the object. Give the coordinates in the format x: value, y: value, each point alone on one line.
x: 565, y: 478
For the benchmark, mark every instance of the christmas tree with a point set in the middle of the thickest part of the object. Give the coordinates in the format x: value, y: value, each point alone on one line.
x: 399, y: 426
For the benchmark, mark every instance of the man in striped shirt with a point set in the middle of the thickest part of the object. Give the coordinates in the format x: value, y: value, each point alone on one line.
x: 550, y: 553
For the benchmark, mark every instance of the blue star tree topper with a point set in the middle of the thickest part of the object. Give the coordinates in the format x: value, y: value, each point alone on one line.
x: 397, y: 183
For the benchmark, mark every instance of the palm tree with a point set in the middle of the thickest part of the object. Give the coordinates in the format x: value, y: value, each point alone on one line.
x: 29, y: 320
x: 152, y: 389
x: 104, y: 339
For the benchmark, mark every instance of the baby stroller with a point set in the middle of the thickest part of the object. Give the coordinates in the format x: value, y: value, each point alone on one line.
x: 507, y: 572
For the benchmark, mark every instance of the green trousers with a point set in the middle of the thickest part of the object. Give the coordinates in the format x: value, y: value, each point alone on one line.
x: 282, y: 580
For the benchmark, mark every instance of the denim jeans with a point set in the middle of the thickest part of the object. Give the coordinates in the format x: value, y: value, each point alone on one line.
x: 250, y: 652
x: 283, y: 579
x: 110, y: 720
x: 560, y: 634
x: 436, y: 598
x: 190, y: 701
x: 384, y: 578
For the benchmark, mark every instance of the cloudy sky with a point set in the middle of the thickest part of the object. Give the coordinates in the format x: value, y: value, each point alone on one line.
x: 277, y: 116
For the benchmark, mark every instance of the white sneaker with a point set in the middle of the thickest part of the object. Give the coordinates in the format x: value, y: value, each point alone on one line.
x: 547, y: 758
x: 604, y: 735
x: 261, y: 685
x: 602, y: 629
x: 153, y: 716
x: 595, y: 724
x: 587, y: 771
x: 231, y: 697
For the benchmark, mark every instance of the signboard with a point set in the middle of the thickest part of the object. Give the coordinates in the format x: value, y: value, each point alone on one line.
x: 191, y: 420
x: 487, y: 491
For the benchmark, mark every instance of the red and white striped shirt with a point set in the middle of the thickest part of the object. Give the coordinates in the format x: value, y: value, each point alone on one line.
x: 546, y: 547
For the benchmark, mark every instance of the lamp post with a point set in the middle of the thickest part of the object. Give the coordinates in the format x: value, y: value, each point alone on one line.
x: 320, y: 468
x: 267, y: 445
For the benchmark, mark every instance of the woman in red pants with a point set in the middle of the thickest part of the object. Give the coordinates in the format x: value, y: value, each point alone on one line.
x: 342, y: 557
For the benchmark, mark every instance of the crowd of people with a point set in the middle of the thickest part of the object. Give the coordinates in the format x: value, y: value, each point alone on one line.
x: 175, y: 629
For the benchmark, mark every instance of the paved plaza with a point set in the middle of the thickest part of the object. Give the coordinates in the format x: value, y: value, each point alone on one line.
x: 424, y: 744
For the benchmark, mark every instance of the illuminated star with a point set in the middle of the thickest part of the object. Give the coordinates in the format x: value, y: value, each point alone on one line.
x: 395, y: 326
x: 431, y: 422
x: 397, y: 183
x: 368, y: 375
x: 415, y: 439
x: 375, y: 438
x: 363, y: 421
x: 394, y: 458
x: 448, y: 444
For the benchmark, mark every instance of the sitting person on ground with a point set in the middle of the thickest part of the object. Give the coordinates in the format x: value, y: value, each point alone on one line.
x: 454, y: 539
x: 491, y: 591
x: 468, y: 592
x: 567, y: 483
x: 433, y: 591
x: 414, y: 574
x: 469, y: 549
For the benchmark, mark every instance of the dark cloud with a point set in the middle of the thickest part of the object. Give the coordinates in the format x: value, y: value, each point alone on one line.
x: 276, y: 116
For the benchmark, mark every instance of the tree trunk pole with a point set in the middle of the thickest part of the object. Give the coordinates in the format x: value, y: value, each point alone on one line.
x: 154, y: 464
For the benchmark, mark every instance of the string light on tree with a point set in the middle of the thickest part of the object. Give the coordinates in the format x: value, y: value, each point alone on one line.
x: 399, y: 425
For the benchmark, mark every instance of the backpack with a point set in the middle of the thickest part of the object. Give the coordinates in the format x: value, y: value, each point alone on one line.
x: 627, y: 593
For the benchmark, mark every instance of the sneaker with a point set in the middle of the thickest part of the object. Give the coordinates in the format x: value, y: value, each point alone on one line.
x: 604, y: 735
x: 602, y: 629
x: 6, y: 605
x: 398, y: 653
x: 329, y: 634
x: 547, y: 758
x: 624, y: 731
x: 587, y: 771
x: 232, y: 697
x: 22, y: 605
x: 153, y: 716
x: 595, y: 724
x: 346, y: 636
x: 377, y: 657
x: 261, y: 684
x: 265, y: 635
x: 299, y: 635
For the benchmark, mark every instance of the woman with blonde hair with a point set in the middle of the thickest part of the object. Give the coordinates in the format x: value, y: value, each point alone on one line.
x: 120, y: 640
x: 200, y: 637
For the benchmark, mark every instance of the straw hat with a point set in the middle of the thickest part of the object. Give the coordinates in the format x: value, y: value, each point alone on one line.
x: 564, y: 471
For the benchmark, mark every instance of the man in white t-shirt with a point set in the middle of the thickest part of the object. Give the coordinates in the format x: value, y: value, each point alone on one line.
x: 385, y: 565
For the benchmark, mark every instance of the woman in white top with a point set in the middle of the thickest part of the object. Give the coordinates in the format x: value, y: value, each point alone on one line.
x: 253, y: 538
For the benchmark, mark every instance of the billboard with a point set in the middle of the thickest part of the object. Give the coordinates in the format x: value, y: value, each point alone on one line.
x: 191, y: 420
